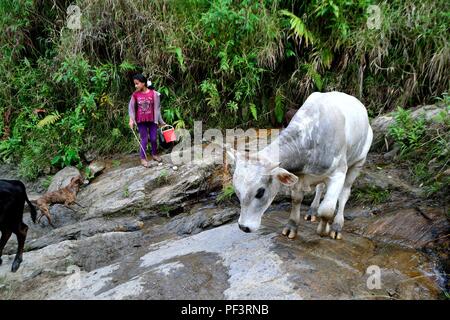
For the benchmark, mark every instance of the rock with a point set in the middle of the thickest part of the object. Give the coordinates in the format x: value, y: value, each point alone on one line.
x: 48, y: 236
x: 380, y: 125
x: 391, y: 155
x: 90, y: 252
x: 101, y: 249
x: 226, y: 263
x: 414, y: 227
x: 384, y: 179
x: 128, y: 190
x: 200, y: 219
x: 54, y: 257
x: 90, y: 156
x: 62, y: 178
x: 96, y: 167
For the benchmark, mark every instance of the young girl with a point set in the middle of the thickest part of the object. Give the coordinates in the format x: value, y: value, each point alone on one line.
x: 144, y: 111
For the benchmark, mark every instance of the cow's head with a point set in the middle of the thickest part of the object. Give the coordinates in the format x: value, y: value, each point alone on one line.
x: 256, y: 183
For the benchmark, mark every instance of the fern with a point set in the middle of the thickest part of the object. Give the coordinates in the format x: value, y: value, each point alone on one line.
x: 254, y: 111
x: 279, y: 110
x: 127, y: 66
x: 49, y: 120
x: 298, y: 28
x: 213, y: 100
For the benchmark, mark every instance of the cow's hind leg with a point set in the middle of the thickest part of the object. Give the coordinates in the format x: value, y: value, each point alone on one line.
x: 312, y: 211
x: 6, y: 234
x: 326, y: 208
x: 21, y: 236
x: 338, y: 222
x: 290, y: 230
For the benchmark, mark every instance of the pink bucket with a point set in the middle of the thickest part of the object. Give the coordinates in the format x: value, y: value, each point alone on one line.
x: 169, y: 134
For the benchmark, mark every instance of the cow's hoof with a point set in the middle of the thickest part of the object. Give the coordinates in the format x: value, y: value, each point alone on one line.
x: 290, y: 230
x: 311, y: 215
x: 336, y: 231
x: 16, y: 265
x: 336, y: 235
x: 323, y: 229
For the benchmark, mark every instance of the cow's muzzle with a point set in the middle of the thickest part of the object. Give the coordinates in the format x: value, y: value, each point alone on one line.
x: 244, y: 228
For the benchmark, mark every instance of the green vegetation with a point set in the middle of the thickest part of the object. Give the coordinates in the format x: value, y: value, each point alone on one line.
x: 47, y: 182
x: 226, y: 193
x: 64, y: 92
x: 371, y: 195
x: 162, y: 178
x: 424, y: 147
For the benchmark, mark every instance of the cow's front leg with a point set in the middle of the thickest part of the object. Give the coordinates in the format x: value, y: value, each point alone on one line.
x: 326, y: 209
x: 338, y: 222
x: 312, y: 211
x: 291, y: 228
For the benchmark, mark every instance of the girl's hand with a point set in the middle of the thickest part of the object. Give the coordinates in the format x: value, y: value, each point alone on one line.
x: 131, y: 124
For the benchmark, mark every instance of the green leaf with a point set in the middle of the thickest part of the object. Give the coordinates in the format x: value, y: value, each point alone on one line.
x: 49, y: 120
x: 179, y: 54
x: 253, y: 111
x: 299, y: 28
x: 127, y: 66
x: 279, y: 112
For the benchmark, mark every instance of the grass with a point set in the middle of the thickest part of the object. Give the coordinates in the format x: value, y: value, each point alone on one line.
x: 162, y: 178
x: 126, y: 192
x: 166, y: 209
x: 226, y: 193
x: 371, y: 195
x: 116, y: 163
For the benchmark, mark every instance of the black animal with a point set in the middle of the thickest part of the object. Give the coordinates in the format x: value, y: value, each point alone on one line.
x: 12, y: 201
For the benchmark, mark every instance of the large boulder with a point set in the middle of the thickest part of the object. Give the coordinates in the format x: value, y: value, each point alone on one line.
x: 62, y: 178
x: 144, y: 191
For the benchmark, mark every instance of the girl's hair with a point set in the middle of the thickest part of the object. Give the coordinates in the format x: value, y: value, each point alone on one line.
x: 141, y: 78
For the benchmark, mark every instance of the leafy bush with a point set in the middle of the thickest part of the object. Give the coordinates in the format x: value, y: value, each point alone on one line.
x: 228, y: 63
x: 425, y: 146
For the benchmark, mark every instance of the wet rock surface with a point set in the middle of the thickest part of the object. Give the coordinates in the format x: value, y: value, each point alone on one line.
x: 157, y: 233
x: 226, y: 263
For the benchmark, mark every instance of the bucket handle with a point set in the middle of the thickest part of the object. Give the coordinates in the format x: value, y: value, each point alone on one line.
x: 167, y: 125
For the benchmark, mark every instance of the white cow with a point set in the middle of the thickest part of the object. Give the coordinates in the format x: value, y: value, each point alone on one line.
x: 327, y: 141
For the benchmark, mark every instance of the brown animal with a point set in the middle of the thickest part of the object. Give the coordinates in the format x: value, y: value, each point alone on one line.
x: 66, y: 196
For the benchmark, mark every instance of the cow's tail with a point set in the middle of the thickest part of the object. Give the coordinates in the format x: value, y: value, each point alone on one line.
x: 32, y: 209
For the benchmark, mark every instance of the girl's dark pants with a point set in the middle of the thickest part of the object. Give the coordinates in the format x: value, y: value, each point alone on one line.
x: 144, y: 128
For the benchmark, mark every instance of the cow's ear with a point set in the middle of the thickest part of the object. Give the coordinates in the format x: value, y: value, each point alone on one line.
x: 284, y: 176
